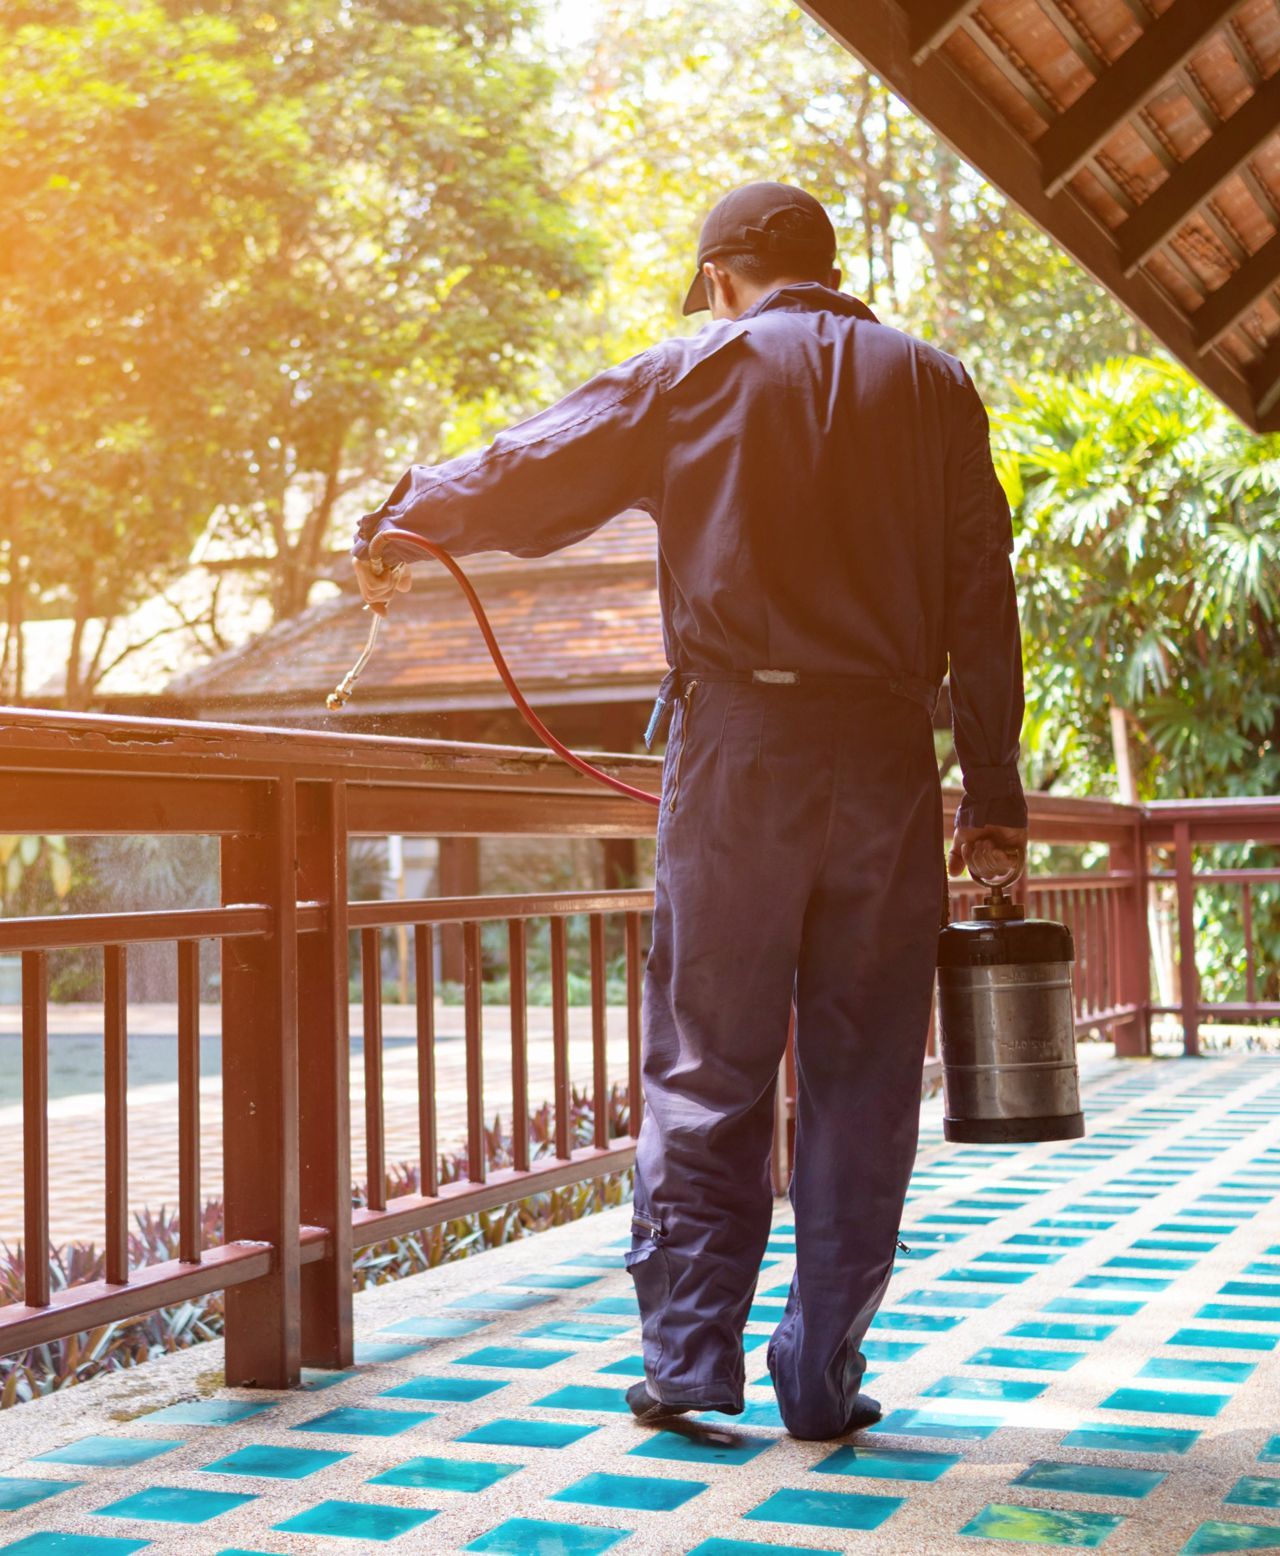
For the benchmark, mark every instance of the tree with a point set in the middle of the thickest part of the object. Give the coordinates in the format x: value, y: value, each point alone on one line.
x: 254, y: 257
x: 1148, y: 556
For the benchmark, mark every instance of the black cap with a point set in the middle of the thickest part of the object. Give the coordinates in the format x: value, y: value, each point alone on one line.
x: 741, y: 223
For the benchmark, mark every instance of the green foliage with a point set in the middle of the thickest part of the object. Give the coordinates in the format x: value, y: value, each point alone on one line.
x: 1148, y: 557
x: 250, y: 258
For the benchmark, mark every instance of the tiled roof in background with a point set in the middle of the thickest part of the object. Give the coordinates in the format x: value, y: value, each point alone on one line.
x: 572, y: 624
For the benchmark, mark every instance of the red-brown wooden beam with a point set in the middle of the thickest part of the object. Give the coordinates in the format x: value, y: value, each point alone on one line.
x: 324, y: 1115
x: 1240, y: 292
x: 1190, y: 185
x: 115, y: 1076
x: 1130, y: 82
x: 933, y: 21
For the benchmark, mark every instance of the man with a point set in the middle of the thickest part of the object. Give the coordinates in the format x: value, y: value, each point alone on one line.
x: 830, y: 534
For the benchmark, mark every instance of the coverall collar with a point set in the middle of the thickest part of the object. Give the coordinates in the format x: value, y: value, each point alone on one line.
x: 807, y: 297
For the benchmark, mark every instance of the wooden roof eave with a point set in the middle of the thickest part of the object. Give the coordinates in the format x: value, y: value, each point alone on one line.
x: 901, y: 43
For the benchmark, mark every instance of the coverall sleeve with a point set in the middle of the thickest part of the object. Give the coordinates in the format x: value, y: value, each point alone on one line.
x: 544, y: 483
x: 983, y: 640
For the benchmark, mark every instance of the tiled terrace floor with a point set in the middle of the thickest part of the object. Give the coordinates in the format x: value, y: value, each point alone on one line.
x: 1079, y: 1351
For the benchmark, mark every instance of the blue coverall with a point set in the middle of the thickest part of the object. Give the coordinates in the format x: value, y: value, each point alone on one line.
x: 831, y: 537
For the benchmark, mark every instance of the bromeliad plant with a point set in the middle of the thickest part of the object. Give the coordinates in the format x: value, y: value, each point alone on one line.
x: 113, y: 1347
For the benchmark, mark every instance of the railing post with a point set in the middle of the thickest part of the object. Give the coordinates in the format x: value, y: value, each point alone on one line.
x: 1188, y: 979
x: 324, y: 1092
x: 1132, y: 982
x: 260, y: 1095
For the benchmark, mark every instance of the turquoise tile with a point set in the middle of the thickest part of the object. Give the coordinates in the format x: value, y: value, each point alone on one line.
x: 368, y: 1352
x: 752, y: 1415
x: 1256, y: 1491
x: 886, y: 1463
x: 451, y: 1390
x: 525, y: 1358
x: 1262, y: 1267
x: 949, y: 1218
x: 567, y: 1329
x: 538, y: 1537
x: 637, y: 1493
x: 951, y: 1299
x: 1017, y: 1256
x: 1174, y: 1244
x: 109, y: 1451
x: 18, y: 1491
x: 1116, y: 1306
x: 445, y: 1474
x: 49, y: 1543
x: 275, y: 1463
x: 1200, y: 1228
x: 975, y: 1273
x: 575, y: 1397
x: 1120, y: 1283
x: 433, y: 1327
x: 983, y: 1388
x: 918, y: 1234
x: 357, y: 1520
x: 1033, y: 1361
x: 314, y: 1379
x: 1077, y: 1223
x: 1130, y: 1439
x: 500, y: 1301
x: 361, y: 1421
x: 1042, y: 1525
x: 1216, y: 1536
x: 175, y: 1505
x: 1046, y: 1240
x: 1241, y: 1311
x: 1176, y: 1370
x: 934, y: 1323
x: 889, y: 1350
x: 1225, y: 1339
x: 1166, y: 1402
x: 598, y: 1261
x: 719, y: 1547
x: 1270, y: 1452
x: 209, y: 1412
x: 626, y: 1366
x: 709, y: 1448
x: 935, y: 1423
x: 554, y: 1280
x: 1250, y: 1288
x: 1036, y: 1329
x: 613, y: 1306
x: 826, y: 1509
x: 1125, y: 1261
x: 1089, y: 1480
x: 527, y: 1434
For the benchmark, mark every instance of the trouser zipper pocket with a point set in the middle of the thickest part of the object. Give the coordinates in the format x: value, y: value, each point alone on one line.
x: 686, y: 698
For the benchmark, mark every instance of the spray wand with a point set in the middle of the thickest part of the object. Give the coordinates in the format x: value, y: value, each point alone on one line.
x: 341, y: 693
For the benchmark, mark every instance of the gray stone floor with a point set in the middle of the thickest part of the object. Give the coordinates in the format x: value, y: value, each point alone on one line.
x: 1079, y: 1351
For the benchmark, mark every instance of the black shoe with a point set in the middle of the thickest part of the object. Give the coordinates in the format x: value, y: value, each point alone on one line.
x: 866, y: 1412
x: 650, y: 1410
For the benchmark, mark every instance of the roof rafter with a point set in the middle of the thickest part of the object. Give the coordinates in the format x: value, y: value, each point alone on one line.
x: 1131, y: 81
x: 933, y: 20
x: 1264, y: 377
x: 1233, y: 299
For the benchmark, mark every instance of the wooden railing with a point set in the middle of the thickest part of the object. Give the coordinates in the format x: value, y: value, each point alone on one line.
x: 285, y: 805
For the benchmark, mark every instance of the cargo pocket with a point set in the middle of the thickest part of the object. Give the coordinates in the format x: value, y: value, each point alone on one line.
x: 647, y: 1261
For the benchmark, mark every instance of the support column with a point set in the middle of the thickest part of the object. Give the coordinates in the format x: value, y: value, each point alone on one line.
x: 260, y: 1095
x: 1132, y: 983
x: 324, y: 1112
x: 1188, y: 978
x: 458, y: 875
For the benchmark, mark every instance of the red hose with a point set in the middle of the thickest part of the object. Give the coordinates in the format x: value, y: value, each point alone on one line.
x: 404, y: 537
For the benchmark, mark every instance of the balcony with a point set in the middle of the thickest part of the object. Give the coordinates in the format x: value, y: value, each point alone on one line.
x: 300, y: 1139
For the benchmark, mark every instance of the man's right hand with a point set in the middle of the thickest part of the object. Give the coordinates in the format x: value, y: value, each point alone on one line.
x: 995, y: 851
